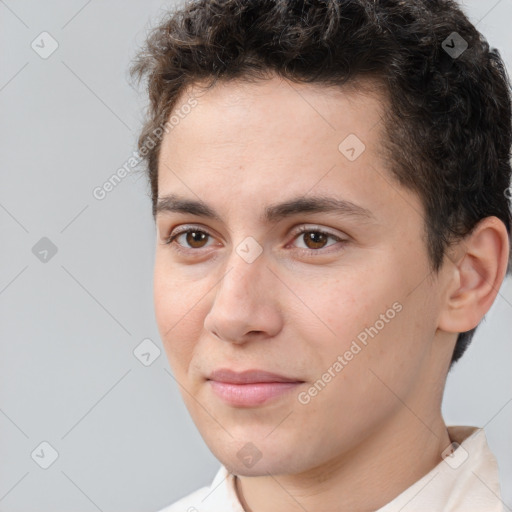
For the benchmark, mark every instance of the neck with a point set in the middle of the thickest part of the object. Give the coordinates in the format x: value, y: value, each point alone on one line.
x: 370, y: 476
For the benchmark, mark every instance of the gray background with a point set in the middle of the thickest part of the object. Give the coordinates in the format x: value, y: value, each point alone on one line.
x: 69, y: 326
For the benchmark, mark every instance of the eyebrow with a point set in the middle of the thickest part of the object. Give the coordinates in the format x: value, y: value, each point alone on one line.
x: 272, y: 213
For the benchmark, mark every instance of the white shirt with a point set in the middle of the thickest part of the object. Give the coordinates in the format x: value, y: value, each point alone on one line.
x: 466, y: 481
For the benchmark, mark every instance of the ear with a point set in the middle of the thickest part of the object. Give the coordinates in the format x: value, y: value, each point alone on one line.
x: 476, y: 269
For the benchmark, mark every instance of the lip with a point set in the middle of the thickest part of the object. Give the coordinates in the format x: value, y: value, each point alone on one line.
x: 250, y: 388
x: 248, y: 376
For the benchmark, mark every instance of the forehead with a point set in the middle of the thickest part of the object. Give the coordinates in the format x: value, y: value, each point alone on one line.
x: 266, y: 99
x: 271, y: 119
x: 267, y: 141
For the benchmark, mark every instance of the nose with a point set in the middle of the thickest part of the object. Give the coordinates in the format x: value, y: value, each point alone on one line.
x: 245, y: 305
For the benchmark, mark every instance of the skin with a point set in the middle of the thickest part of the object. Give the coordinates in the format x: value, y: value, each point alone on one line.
x: 376, y: 427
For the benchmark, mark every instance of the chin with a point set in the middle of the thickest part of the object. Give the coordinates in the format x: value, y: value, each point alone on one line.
x: 261, y: 459
x: 261, y: 468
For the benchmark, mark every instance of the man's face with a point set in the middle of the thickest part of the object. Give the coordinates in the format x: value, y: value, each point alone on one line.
x: 348, y: 315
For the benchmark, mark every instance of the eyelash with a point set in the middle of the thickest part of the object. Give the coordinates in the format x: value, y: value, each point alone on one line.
x: 304, y: 229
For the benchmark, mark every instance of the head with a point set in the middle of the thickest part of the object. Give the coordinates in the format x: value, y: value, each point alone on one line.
x: 258, y: 112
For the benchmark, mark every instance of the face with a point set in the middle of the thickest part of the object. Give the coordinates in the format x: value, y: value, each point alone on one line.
x: 339, y: 303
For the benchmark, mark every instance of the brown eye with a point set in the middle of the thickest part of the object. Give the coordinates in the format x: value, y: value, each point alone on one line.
x: 196, y: 238
x: 315, y: 239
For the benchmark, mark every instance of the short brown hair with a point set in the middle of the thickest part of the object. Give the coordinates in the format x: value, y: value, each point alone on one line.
x: 448, y: 125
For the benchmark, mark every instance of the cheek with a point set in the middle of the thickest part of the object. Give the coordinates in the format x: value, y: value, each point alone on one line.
x: 177, y: 313
x: 387, y: 335
x: 175, y: 294
x: 340, y: 308
x: 370, y: 320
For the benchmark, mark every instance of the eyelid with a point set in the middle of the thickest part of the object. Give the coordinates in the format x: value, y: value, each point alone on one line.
x: 315, y: 227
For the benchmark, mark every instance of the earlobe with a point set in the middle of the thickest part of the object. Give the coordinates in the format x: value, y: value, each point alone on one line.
x: 476, y: 277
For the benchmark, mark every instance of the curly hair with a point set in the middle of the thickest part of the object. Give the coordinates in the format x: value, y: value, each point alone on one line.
x: 448, y: 121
